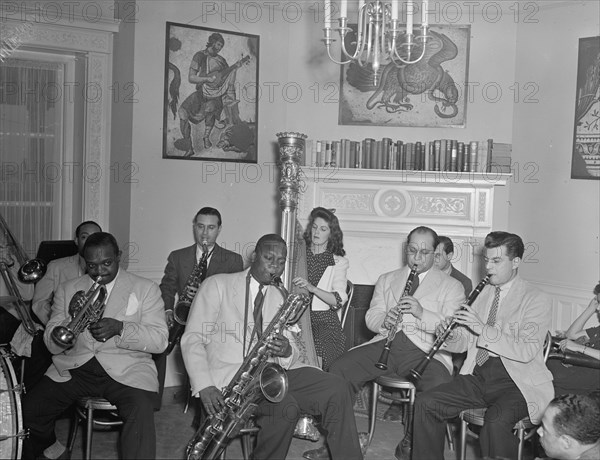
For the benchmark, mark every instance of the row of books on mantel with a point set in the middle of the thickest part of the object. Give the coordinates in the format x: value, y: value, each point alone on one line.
x: 436, y: 155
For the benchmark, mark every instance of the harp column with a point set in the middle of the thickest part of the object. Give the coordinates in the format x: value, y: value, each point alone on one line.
x: 291, y: 153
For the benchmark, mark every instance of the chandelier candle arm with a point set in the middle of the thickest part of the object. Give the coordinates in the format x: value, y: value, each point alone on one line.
x: 379, y: 37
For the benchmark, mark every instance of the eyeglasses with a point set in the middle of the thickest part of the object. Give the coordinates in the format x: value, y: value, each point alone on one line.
x: 422, y: 252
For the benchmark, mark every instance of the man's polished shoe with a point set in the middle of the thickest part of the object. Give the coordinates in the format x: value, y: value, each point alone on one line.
x: 393, y: 413
x: 403, y: 450
x: 322, y: 453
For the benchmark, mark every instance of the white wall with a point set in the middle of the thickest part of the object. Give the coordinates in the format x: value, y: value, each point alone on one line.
x: 558, y: 216
x: 169, y: 192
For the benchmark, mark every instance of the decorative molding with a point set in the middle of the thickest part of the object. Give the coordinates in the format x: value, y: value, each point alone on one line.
x: 436, y: 204
x: 378, y: 208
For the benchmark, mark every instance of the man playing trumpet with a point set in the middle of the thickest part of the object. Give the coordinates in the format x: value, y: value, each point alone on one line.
x: 503, y: 333
x: 110, y: 359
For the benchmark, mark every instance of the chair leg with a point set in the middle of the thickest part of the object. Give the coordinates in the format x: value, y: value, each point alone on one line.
x: 246, y: 446
x: 410, y: 410
x: 188, y: 398
x: 73, y: 432
x: 90, y: 431
x: 463, y: 440
x: 450, y: 437
x: 373, y: 416
x: 521, y: 434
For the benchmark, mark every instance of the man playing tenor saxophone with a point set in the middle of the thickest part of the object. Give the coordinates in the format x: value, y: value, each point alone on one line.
x: 227, y: 318
x: 181, y: 263
x: 111, y: 359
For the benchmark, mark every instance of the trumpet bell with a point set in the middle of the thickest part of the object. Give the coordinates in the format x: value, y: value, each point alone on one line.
x: 32, y: 271
x: 63, y: 337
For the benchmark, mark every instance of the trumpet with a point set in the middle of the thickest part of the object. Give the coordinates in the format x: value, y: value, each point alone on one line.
x: 85, y: 308
x: 30, y: 271
x: 417, y: 372
x: 383, y: 359
x: 572, y: 358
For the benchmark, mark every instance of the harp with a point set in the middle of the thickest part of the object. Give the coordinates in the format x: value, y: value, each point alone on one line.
x: 291, y: 151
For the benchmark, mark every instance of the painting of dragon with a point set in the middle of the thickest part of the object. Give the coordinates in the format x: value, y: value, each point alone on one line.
x: 429, y: 92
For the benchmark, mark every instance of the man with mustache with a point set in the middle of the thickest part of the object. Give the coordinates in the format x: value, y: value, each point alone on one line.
x: 111, y: 359
x: 433, y: 297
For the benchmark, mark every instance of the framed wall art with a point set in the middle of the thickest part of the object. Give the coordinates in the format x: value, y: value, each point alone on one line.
x: 210, y: 104
x: 586, y: 137
x: 431, y: 92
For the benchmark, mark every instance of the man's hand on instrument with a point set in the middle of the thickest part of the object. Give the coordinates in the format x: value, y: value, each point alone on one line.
x: 439, y: 330
x: 467, y: 316
x: 105, y: 329
x: 212, y: 400
x: 169, y: 318
x: 190, y: 291
x: 279, y: 345
x: 392, y: 316
x: 409, y: 304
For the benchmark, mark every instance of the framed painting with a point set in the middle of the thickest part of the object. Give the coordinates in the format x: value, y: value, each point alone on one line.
x: 586, y: 137
x: 210, y: 105
x: 430, y: 92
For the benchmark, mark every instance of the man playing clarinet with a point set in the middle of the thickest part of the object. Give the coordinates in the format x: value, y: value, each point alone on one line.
x: 503, y: 333
x: 432, y: 297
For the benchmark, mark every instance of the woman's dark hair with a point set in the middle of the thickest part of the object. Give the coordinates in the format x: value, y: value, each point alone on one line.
x: 336, y: 238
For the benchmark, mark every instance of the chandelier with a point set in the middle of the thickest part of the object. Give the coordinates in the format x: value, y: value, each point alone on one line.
x: 378, y: 39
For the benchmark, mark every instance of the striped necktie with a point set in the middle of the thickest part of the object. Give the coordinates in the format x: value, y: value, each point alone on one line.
x: 482, y: 354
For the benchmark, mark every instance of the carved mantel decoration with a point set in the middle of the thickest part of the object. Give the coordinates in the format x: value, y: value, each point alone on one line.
x: 377, y: 209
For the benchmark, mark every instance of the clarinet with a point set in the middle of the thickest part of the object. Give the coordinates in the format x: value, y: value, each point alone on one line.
x: 383, y: 359
x: 417, y: 372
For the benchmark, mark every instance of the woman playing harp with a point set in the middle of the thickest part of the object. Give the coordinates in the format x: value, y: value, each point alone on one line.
x: 326, y: 282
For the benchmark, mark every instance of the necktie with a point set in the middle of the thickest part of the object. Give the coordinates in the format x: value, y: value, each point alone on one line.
x: 203, y: 265
x: 414, y: 286
x: 482, y: 354
x: 258, y: 301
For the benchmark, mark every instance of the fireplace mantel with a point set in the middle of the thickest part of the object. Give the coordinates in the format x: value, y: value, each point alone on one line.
x: 378, y: 208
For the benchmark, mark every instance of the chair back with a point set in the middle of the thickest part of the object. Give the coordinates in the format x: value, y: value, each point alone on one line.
x: 346, y: 306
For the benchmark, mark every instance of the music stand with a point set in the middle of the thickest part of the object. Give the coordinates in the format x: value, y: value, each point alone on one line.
x: 55, y: 249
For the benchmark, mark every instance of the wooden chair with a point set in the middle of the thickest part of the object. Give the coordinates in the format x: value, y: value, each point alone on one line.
x: 87, y: 409
x: 524, y: 428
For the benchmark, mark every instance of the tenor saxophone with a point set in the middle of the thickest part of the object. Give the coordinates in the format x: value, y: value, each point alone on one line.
x: 181, y: 310
x: 255, y: 377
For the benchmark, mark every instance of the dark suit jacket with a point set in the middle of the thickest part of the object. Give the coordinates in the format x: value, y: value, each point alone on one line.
x: 180, y: 264
x: 464, y: 280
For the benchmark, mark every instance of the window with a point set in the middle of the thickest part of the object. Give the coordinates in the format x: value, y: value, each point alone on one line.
x: 38, y: 169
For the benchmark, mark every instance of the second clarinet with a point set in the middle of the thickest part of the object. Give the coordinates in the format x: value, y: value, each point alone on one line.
x: 383, y: 359
x: 417, y: 372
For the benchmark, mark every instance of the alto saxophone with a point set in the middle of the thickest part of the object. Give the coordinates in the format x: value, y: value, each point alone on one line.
x: 242, y: 394
x: 181, y: 310
x: 85, y: 308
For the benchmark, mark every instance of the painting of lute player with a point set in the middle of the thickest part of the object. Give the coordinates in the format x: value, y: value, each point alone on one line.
x: 215, y: 94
